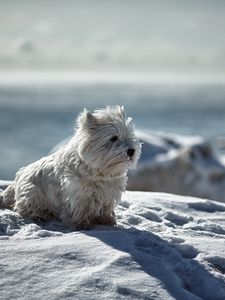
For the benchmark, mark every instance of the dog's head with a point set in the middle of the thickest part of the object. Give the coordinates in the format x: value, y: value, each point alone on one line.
x: 107, y: 140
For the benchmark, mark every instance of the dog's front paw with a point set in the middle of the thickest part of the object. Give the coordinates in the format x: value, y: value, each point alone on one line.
x: 84, y: 226
x: 106, y: 220
x: 112, y: 221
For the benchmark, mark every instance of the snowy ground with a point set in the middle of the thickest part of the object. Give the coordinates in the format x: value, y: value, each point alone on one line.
x: 164, y: 247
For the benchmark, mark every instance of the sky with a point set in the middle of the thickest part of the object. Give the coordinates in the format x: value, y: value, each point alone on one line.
x: 177, y: 35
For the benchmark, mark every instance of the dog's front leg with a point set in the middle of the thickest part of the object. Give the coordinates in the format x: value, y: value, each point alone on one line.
x: 76, y: 212
x: 108, y: 219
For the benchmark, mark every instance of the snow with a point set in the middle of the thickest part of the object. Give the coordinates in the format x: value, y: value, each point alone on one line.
x: 185, y: 165
x: 164, y: 247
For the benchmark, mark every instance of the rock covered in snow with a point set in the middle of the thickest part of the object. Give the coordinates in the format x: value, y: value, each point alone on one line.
x: 178, y: 164
x: 4, y: 184
x: 164, y: 247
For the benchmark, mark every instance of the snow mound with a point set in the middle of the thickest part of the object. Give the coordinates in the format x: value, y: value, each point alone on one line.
x: 185, y: 165
x: 164, y: 247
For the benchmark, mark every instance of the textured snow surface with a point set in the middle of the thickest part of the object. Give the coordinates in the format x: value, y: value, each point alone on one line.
x: 164, y: 247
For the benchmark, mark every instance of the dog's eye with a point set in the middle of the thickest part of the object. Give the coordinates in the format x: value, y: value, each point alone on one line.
x: 114, y: 138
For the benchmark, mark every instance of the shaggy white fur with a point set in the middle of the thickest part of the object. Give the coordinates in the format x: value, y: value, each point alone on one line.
x: 83, y: 181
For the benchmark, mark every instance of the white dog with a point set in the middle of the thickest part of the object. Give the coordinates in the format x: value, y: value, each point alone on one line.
x: 83, y: 181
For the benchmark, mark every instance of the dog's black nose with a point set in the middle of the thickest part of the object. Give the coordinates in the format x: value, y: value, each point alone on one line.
x: 130, y: 152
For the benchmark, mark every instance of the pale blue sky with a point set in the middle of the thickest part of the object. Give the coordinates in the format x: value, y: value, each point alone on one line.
x: 176, y: 35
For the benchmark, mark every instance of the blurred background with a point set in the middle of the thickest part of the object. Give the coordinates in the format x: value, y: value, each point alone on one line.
x: 163, y: 60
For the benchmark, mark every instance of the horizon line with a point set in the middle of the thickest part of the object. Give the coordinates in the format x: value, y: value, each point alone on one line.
x: 50, y: 77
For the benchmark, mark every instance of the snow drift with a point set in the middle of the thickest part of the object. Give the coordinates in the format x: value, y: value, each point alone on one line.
x: 185, y: 165
x: 164, y: 247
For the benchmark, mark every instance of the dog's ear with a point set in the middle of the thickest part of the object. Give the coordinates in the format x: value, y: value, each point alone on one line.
x: 86, y: 119
x: 119, y: 109
x: 122, y: 109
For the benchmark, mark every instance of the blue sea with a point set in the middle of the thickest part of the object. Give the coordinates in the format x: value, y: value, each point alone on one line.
x: 34, y: 117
